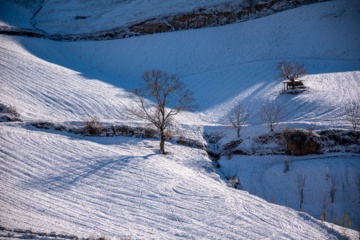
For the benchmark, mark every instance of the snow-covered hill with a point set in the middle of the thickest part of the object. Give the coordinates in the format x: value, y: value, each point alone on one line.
x: 122, y: 187
x: 237, y: 61
x: 54, y: 181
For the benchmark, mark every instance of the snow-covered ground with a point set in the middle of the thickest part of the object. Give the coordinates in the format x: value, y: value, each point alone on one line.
x: 53, y: 181
x: 122, y: 187
x: 264, y: 176
x: 221, y: 66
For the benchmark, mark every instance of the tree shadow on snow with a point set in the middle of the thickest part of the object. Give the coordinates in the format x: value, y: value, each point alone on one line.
x: 79, y: 173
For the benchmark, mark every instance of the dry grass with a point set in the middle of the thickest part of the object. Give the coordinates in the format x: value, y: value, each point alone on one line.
x: 93, y: 127
x: 9, y: 109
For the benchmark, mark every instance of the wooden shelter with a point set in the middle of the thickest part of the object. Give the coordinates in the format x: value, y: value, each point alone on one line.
x: 296, y: 84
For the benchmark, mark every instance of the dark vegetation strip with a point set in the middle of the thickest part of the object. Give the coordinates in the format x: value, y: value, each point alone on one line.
x: 204, y: 17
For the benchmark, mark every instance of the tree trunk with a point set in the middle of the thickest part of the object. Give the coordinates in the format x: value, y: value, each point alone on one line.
x: 292, y: 83
x: 238, y: 132
x: 162, y: 141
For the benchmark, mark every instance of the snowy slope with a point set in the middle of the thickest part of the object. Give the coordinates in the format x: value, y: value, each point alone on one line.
x: 237, y: 61
x: 57, y: 17
x: 119, y: 186
x: 78, y: 16
x: 264, y: 176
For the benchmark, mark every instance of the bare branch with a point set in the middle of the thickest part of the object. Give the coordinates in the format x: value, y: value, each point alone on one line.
x: 271, y: 113
x: 352, y: 113
x: 238, y: 118
x: 291, y: 70
x: 300, y: 184
x: 168, y: 96
x: 333, y: 188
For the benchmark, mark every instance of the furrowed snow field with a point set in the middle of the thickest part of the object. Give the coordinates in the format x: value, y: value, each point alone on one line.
x: 122, y: 187
x: 117, y: 187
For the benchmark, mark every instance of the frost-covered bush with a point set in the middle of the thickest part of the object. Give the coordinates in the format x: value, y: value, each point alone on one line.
x: 9, y: 113
x: 92, y: 127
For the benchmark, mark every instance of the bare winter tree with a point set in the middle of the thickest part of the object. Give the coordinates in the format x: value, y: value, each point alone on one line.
x: 238, y: 118
x: 291, y: 71
x: 333, y: 188
x: 352, y: 113
x: 168, y: 96
x: 300, y: 184
x: 271, y: 113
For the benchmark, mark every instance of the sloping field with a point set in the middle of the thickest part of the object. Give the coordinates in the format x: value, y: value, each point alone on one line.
x: 121, y: 187
x: 54, y: 181
x: 221, y: 66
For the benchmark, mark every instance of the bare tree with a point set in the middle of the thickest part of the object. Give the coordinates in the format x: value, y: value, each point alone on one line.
x: 168, y: 96
x: 352, y: 113
x: 238, y: 118
x: 333, y: 188
x: 271, y: 113
x: 300, y: 184
x: 291, y: 71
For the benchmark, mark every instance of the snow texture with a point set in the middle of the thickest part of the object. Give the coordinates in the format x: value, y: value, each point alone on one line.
x: 55, y: 181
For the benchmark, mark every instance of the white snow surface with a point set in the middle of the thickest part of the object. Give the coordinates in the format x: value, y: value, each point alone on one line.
x: 57, y: 17
x: 264, y: 176
x: 53, y: 181
x: 122, y: 187
x: 79, y: 16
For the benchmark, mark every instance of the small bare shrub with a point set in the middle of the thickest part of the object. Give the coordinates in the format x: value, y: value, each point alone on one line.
x: 234, y: 182
x: 92, y: 127
x: 14, y: 111
x: 270, y: 138
x: 352, y: 113
x: 169, y: 135
x: 10, y: 109
x: 333, y: 188
x: 300, y: 184
x: 103, y: 238
x: 238, y: 118
x: 287, y: 164
x: 150, y: 133
x: 271, y: 113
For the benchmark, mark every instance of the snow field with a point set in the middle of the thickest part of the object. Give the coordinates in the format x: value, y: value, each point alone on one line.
x: 221, y: 66
x: 120, y: 186
x: 53, y: 181
x: 264, y: 176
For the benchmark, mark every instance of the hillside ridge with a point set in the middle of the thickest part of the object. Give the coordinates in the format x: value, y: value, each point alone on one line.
x: 218, y: 15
